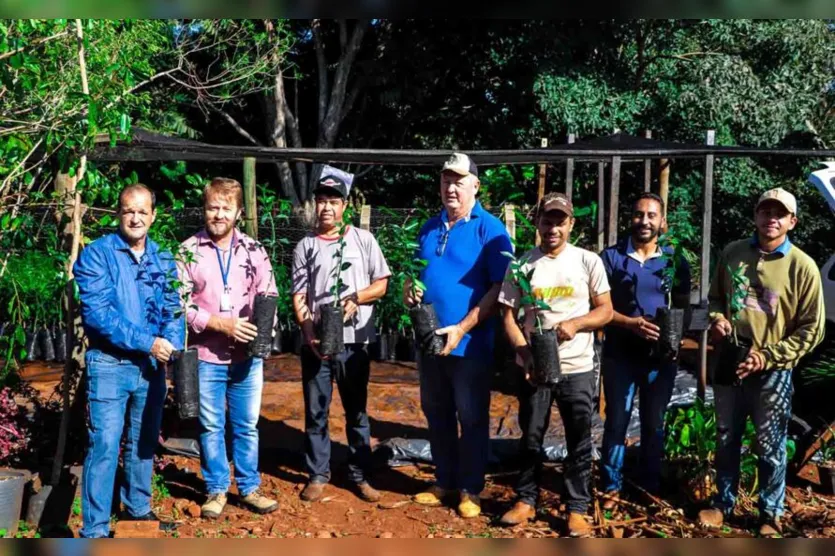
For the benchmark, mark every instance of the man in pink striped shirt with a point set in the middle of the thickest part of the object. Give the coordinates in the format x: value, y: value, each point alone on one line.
x: 223, y: 271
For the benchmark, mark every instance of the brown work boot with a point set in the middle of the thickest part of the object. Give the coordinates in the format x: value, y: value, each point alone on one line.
x: 259, y: 503
x: 771, y: 528
x: 578, y: 526
x: 313, y: 491
x: 608, y: 503
x: 711, y: 517
x: 367, y: 492
x: 521, y: 512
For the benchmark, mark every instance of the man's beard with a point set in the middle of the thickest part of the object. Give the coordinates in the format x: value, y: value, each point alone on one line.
x: 219, y: 228
x: 636, y: 237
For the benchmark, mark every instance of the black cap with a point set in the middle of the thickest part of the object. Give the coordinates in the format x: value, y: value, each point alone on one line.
x: 332, y: 184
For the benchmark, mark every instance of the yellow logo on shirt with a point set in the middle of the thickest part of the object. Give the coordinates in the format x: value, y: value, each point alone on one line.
x: 553, y: 292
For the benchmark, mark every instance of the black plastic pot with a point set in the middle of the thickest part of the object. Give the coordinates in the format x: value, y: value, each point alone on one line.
x: 731, y: 354
x: 392, y: 339
x: 46, y: 344
x: 546, y: 357
x: 4, y: 342
x: 33, y: 348
x: 379, y: 349
x: 276, y: 346
x: 59, y: 337
x: 187, y: 384
x: 425, y: 321
x: 405, y: 348
x: 288, y: 339
x: 826, y: 473
x: 331, y: 330
x: 263, y: 317
x: 671, y: 323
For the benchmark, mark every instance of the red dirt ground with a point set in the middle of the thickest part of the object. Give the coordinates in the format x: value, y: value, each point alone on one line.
x: 394, y: 409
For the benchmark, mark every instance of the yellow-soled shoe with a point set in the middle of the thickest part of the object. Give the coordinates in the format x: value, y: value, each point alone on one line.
x: 470, y: 506
x: 433, y: 496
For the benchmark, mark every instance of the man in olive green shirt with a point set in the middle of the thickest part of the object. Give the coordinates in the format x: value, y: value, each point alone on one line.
x: 783, y: 316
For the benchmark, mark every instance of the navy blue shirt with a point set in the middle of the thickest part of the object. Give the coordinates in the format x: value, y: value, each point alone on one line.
x: 463, y: 264
x: 125, y: 303
x: 637, y: 290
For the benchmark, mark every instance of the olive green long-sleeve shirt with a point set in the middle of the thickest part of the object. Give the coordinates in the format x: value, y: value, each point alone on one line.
x: 784, y: 309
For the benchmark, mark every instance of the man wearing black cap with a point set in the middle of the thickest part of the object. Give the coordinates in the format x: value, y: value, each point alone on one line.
x: 572, y: 283
x: 364, y: 282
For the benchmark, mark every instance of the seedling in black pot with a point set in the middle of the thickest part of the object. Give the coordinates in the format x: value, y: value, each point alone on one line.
x: 543, y: 342
x: 669, y: 319
x: 332, y: 316
x: 735, y: 348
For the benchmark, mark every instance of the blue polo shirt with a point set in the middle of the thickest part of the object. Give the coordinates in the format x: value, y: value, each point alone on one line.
x: 463, y: 264
x: 637, y: 290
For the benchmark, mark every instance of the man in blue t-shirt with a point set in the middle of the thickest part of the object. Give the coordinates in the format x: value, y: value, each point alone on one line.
x: 465, y: 268
x: 635, y: 269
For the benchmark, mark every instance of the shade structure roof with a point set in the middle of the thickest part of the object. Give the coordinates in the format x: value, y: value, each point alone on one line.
x: 150, y: 146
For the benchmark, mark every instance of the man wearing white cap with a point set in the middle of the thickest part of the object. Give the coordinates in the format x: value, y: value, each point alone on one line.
x: 783, y: 316
x: 465, y: 267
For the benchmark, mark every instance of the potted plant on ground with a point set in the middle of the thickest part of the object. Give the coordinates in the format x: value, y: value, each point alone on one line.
x: 543, y: 342
x: 734, y: 348
x: 669, y: 319
x: 332, y: 316
x: 826, y: 463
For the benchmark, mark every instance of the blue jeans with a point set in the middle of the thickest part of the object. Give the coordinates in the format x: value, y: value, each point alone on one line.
x: 237, y: 386
x: 116, y: 386
x: 767, y: 398
x: 350, y: 370
x: 456, y: 390
x: 654, y: 383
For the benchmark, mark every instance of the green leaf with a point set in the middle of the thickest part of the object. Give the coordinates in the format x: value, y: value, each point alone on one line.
x: 345, y: 266
x: 419, y: 285
x: 685, y: 436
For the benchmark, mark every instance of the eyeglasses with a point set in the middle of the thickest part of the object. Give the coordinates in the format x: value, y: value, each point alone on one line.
x: 442, y: 240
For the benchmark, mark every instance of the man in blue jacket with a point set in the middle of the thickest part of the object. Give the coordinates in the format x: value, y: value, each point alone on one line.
x: 465, y: 268
x: 131, y: 311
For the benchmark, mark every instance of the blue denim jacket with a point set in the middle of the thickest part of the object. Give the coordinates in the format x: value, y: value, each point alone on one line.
x: 126, y: 304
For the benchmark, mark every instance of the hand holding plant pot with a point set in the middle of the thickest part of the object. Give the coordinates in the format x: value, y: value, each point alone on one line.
x: 544, y: 343
x: 332, y: 317
x: 735, y: 349
x: 669, y: 320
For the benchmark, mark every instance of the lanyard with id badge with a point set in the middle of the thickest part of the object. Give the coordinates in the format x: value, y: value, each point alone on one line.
x: 226, y: 296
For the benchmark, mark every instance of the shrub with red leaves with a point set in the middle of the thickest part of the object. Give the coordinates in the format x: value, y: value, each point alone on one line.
x: 12, y: 435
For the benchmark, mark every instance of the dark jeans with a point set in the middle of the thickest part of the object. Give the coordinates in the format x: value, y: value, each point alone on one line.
x: 350, y: 369
x: 654, y: 384
x: 456, y: 390
x: 573, y: 395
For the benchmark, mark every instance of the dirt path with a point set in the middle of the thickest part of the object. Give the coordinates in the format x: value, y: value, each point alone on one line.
x: 394, y: 408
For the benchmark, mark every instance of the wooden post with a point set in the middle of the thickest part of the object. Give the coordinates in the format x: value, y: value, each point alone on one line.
x: 704, y: 282
x: 365, y: 217
x: 664, y: 182
x: 601, y: 203
x: 510, y: 220
x: 540, y: 192
x: 569, y: 171
x: 70, y: 191
x: 614, y: 194
x: 647, y: 167
x: 250, y: 205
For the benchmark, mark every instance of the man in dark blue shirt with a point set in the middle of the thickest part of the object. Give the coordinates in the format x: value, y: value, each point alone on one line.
x: 465, y: 268
x: 630, y: 362
x: 131, y: 312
